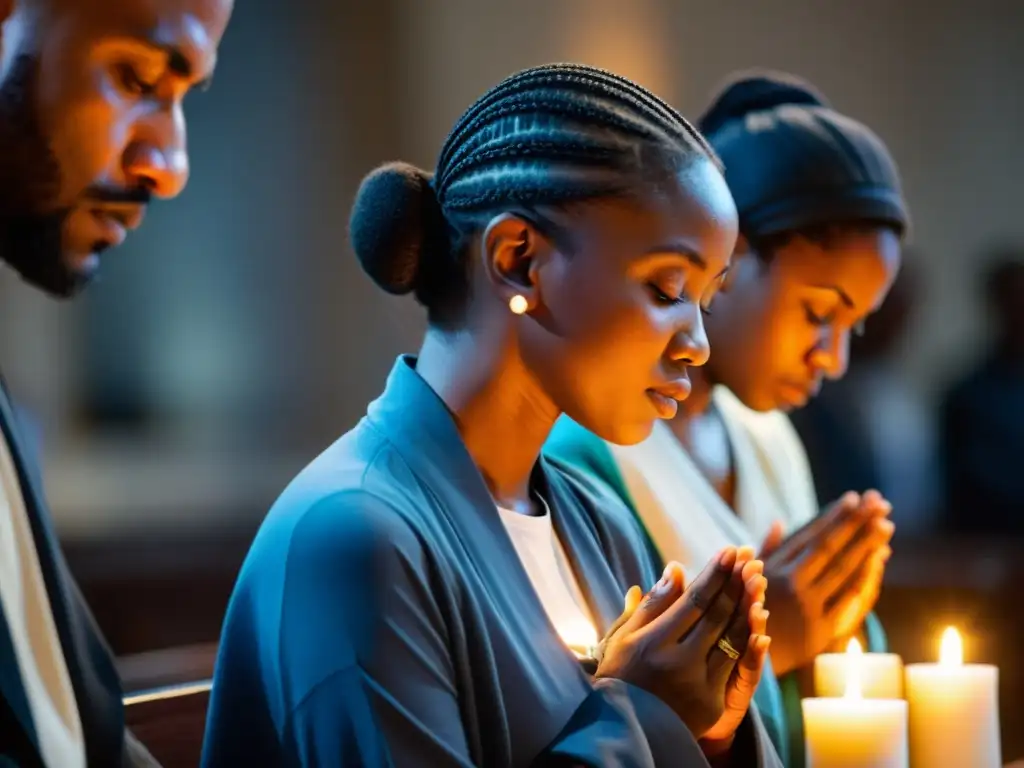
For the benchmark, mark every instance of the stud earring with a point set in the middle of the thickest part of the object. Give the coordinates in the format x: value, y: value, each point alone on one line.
x: 518, y: 304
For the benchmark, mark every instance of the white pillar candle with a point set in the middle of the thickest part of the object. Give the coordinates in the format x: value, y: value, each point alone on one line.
x: 881, y: 674
x: 854, y: 732
x: 954, y: 710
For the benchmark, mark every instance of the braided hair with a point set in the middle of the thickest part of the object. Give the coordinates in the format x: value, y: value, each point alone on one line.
x: 551, y: 135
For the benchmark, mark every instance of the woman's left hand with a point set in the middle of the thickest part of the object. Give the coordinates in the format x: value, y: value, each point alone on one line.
x: 745, y: 676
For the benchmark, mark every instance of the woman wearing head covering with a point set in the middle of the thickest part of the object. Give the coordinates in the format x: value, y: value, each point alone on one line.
x: 416, y: 595
x: 821, y: 221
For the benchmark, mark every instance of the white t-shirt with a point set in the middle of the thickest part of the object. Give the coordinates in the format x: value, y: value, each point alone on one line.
x: 545, y: 562
x: 26, y: 604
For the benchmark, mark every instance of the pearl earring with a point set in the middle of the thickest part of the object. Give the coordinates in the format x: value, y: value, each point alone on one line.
x: 518, y: 304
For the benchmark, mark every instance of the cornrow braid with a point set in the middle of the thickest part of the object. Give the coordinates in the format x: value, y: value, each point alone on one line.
x: 550, y: 135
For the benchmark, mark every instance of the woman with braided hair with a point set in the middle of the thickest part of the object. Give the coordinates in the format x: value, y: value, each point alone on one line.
x: 821, y: 219
x: 423, y: 592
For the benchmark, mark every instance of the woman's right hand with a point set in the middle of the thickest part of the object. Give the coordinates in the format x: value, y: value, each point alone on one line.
x: 667, y: 643
x: 825, y: 577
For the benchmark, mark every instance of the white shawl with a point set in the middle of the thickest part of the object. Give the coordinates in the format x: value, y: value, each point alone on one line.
x: 686, y: 518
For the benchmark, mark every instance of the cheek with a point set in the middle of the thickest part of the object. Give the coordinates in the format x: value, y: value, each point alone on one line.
x: 793, y: 336
x: 89, y: 128
x: 611, y: 326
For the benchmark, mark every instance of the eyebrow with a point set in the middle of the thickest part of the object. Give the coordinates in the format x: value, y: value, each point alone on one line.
x: 177, y: 61
x: 843, y: 295
x: 679, y: 250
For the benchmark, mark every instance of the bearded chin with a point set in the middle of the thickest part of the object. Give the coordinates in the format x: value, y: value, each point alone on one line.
x: 31, y: 230
x: 33, y: 247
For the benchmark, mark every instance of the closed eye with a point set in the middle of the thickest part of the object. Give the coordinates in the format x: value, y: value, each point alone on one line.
x: 131, y: 82
x: 815, y: 319
x: 663, y: 298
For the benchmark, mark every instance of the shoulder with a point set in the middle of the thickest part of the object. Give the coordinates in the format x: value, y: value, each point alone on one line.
x: 356, y: 510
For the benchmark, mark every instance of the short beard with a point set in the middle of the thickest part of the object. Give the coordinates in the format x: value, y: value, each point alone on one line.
x: 31, y: 228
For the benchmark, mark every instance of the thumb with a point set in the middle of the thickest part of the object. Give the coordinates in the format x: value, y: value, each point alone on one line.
x: 772, y: 541
x: 633, y: 598
x: 632, y: 602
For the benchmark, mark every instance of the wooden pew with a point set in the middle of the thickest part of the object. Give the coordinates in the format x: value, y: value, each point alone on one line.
x: 166, y: 706
x: 170, y: 722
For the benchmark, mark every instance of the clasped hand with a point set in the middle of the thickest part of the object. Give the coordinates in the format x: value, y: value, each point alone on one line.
x: 826, y: 577
x: 668, y: 643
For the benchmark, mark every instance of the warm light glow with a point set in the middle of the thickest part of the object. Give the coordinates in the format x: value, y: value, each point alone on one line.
x: 854, y: 657
x: 581, y: 637
x: 951, y: 650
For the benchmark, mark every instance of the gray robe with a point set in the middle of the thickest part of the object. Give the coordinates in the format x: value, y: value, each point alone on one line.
x: 383, y: 617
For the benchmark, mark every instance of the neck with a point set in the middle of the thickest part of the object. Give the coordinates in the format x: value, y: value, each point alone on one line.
x: 499, y: 410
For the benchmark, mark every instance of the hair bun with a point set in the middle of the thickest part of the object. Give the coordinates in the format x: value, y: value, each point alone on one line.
x: 395, y: 219
x: 757, y: 91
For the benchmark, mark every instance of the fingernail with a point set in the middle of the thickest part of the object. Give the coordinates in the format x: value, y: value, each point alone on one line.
x: 764, y: 584
x: 764, y: 641
x: 765, y: 614
x: 758, y: 607
x: 665, y: 583
x: 728, y: 558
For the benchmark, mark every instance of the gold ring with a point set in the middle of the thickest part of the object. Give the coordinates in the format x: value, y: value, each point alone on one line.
x: 726, y: 647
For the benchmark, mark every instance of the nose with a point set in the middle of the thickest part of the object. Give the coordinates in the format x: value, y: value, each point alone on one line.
x: 690, y: 344
x: 157, y: 158
x: 832, y: 355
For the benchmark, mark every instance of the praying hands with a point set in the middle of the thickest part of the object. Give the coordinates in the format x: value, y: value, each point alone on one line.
x: 826, y: 577
x: 700, y: 648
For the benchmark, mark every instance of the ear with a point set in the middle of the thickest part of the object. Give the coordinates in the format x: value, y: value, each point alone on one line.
x: 510, y: 249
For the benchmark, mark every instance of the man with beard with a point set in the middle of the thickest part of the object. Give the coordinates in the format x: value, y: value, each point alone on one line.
x: 91, y: 128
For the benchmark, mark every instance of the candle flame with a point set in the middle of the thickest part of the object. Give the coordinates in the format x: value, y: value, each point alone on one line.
x: 951, y: 650
x: 854, y: 658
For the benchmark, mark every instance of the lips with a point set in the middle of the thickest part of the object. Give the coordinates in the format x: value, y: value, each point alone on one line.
x: 666, y: 397
x: 797, y: 395
x: 114, y: 222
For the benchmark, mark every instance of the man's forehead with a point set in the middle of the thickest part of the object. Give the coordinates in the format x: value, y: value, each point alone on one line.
x: 190, y: 27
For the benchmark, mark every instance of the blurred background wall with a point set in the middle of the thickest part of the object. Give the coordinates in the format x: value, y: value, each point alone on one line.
x: 235, y: 335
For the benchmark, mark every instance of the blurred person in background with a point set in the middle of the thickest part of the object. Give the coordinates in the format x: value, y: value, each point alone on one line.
x: 983, y: 415
x: 413, y: 596
x: 821, y: 216
x: 870, y: 429
x: 91, y: 129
